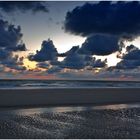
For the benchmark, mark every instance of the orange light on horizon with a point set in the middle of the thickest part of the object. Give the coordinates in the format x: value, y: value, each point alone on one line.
x: 42, y: 77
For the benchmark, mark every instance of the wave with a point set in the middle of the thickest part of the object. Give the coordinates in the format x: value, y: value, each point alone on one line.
x: 64, y: 83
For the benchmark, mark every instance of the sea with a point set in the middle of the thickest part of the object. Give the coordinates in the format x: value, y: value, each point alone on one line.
x: 67, y: 83
x: 112, y: 121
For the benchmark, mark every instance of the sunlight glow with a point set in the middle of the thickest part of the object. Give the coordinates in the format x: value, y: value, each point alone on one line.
x: 29, y: 64
x: 135, y: 42
x: 112, y: 59
x: 96, y: 70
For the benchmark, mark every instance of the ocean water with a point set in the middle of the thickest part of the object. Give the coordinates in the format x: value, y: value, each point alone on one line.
x: 108, y: 121
x: 66, y: 83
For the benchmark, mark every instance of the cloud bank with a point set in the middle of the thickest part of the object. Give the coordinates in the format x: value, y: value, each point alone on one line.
x: 47, y: 58
x: 107, y: 25
x: 105, y: 17
x: 34, y: 6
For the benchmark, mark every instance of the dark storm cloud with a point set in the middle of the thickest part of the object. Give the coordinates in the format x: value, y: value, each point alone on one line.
x: 127, y: 64
x: 20, y: 47
x: 34, y: 6
x: 76, y: 60
x: 100, y: 48
x: 11, y: 41
x: 107, y: 25
x: 99, y: 63
x: 119, y: 18
x: 4, y: 54
x: 47, y: 52
x: 47, y: 57
x: 95, y: 63
x: 100, y: 45
x: 71, y: 51
x: 132, y: 55
x: 131, y: 58
x: 130, y: 48
x: 11, y: 37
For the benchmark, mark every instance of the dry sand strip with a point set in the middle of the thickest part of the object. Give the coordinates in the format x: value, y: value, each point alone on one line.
x: 67, y: 96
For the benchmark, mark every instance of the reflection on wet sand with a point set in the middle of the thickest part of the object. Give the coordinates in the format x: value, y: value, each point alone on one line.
x: 109, y: 121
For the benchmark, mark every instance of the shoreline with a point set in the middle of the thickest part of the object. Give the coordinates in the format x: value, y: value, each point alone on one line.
x: 80, y: 80
x: 67, y: 96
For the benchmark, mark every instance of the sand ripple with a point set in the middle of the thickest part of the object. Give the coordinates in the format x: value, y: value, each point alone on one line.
x: 90, y: 123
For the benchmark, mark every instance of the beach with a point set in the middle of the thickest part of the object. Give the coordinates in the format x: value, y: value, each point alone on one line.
x: 69, y: 112
x: 67, y: 96
x: 108, y: 121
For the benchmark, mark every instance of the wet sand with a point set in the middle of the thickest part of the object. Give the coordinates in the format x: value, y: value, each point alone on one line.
x: 87, y: 121
x: 67, y: 96
x: 111, y: 121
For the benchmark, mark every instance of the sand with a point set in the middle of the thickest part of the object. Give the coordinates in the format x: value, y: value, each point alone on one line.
x: 67, y: 96
x: 115, y: 121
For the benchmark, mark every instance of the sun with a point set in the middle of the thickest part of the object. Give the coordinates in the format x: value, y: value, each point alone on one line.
x: 29, y: 64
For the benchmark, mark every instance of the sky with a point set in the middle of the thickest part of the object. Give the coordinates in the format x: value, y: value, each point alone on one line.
x: 69, y: 39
